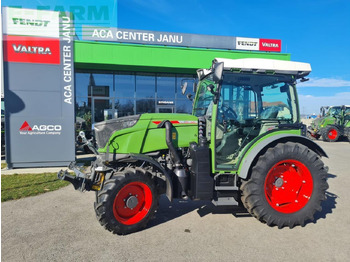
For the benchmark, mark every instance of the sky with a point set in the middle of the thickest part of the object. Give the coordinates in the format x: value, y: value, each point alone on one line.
x: 316, y: 32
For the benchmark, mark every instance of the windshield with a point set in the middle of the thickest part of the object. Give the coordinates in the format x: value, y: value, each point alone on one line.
x: 335, y: 110
x: 250, y: 96
x: 265, y: 97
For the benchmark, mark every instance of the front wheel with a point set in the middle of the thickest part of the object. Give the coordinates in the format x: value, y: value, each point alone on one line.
x: 330, y: 134
x: 286, y: 187
x: 127, y: 201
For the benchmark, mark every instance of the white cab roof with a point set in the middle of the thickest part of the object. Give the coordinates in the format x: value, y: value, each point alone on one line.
x: 263, y: 65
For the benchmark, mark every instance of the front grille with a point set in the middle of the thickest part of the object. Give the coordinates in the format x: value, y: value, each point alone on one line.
x: 104, y: 130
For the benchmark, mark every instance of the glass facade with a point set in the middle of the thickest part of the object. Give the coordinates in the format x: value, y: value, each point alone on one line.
x: 105, y: 95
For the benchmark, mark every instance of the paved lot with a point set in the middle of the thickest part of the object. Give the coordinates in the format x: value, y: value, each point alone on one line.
x: 61, y: 226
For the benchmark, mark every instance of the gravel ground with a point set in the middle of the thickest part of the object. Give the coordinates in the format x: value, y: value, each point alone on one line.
x: 61, y: 226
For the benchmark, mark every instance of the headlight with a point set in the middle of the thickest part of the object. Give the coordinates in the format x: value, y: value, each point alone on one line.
x: 105, y: 129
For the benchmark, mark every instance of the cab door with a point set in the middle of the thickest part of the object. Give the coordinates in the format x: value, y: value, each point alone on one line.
x: 237, y: 105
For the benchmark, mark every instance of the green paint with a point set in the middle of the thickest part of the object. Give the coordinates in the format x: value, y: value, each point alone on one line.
x: 212, y: 138
x: 128, y: 57
x: 252, y: 145
x: 327, y: 121
x: 145, y: 136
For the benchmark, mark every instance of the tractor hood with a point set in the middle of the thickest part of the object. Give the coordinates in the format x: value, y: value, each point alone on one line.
x: 141, y: 134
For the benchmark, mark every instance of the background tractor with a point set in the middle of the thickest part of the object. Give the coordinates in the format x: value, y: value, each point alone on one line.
x: 334, y: 124
x: 243, y: 144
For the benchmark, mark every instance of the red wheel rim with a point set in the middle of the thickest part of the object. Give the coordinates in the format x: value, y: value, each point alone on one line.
x: 288, y: 186
x: 332, y: 134
x: 132, y: 203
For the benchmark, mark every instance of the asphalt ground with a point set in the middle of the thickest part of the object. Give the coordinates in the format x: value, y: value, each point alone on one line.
x: 61, y: 226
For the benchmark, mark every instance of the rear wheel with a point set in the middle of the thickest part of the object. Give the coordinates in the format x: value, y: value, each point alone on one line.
x: 127, y: 201
x: 286, y: 187
x: 330, y: 134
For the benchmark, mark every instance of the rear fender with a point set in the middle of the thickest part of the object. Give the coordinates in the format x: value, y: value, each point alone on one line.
x: 260, y: 148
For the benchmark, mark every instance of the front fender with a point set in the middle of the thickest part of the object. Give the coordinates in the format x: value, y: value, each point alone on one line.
x: 262, y: 144
x: 145, y: 158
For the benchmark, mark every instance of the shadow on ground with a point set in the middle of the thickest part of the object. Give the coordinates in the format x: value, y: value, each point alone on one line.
x: 168, y: 211
x: 328, y: 205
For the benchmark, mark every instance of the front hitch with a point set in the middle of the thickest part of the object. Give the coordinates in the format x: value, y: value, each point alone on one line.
x: 84, y: 182
x: 77, y: 182
x: 80, y: 181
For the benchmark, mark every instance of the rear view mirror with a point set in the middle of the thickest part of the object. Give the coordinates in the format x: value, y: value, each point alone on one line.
x: 284, y: 88
x: 218, y: 68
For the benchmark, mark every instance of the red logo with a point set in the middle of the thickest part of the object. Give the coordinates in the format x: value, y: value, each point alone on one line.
x: 26, y: 49
x: 25, y: 127
x: 270, y: 45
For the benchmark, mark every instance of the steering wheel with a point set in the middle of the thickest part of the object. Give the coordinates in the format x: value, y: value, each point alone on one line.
x: 228, y: 113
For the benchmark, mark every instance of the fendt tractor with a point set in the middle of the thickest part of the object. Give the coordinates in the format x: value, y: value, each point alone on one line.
x: 333, y: 123
x: 243, y: 144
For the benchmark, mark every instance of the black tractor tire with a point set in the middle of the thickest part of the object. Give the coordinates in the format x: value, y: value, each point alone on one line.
x: 286, y: 186
x: 330, y: 133
x: 347, y: 133
x: 127, y: 201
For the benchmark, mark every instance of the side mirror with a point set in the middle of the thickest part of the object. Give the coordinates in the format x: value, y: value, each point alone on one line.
x: 304, y: 79
x: 183, y: 87
x: 218, y: 68
x: 210, y: 88
x: 189, y: 97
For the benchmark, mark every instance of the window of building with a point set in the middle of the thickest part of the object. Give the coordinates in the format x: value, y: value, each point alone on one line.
x: 81, y: 84
x: 129, y: 93
x: 125, y: 85
x: 183, y: 106
x: 145, y: 85
x: 125, y: 106
x: 101, y: 85
x: 166, y: 86
x: 145, y: 105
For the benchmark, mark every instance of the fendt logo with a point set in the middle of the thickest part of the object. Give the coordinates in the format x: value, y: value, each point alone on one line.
x: 32, y: 49
x: 31, y: 22
x: 245, y: 43
x: 26, y: 129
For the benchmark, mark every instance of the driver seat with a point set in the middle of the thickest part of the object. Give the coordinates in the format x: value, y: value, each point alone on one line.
x: 228, y: 145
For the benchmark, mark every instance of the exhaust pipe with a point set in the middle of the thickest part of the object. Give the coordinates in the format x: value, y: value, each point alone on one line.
x: 181, y: 175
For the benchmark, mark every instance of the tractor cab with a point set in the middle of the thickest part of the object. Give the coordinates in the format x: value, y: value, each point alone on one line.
x: 244, y: 99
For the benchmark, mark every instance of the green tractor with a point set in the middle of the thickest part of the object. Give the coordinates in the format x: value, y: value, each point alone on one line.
x: 332, y: 125
x: 243, y: 144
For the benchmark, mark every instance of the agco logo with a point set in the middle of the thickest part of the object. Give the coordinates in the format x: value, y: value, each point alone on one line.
x: 32, y: 49
x: 26, y: 129
x: 31, y: 22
